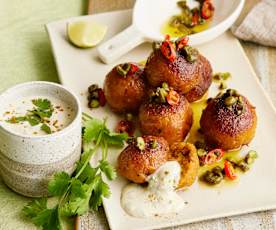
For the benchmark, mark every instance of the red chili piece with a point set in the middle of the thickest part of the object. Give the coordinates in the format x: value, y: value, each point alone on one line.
x: 168, y: 49
x: 125, y: 126
x: 229, y: 170
x: 101, y: 95
x: 133, y: 69
x: 195, y: 19
x: 213, y: 156
x: 182, y: 43
x: 173, y: 97
x: 207, y: 9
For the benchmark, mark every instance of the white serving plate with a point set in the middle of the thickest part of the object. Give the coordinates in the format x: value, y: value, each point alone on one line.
x: 255, y: 190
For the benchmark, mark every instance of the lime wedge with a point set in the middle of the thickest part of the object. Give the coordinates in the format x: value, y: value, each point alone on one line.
x: 85, y: 34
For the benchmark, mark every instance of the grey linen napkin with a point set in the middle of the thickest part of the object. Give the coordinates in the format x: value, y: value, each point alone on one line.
x: 259, y: 25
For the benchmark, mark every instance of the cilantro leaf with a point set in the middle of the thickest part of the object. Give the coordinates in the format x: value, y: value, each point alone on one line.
x: 88, y: 174
x: 86, y: 186
x: 101, y: 190
x: 77, y: 189
x: 43, y: 104
x: 115, y: 139
x: 108, y: 170
x: 42, y: 113
x: 46, y: 128
x: 15, y: 119
x: 93, y: 128
x: 78, y: 201
x: 58, y: 185
x: 48, y: 219
x: 41, y: 215
x: 34, y: 207
x: 33, y: 120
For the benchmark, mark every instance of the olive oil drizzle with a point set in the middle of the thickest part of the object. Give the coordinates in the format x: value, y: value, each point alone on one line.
x: 174, y: 32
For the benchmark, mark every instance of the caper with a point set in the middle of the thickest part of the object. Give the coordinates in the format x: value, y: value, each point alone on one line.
x: 217, y: 170
x: 92, y: 88
x: 230, y: 101
x: 200, y: 145
x: 94, y: 103
x: 243, y: 166
x: 221, y: 76
x: 253, y: 154
x: 223, y: 85
x: 165, y: 86
x: 232, y: 92
x: 233, y: 162
x: 201, y: 21
x: 213, y: 177
x: 240, y: 99
x: 123, y: 69
x: 191, y: 54
x: 130, y: 140
x: 225, y: 75
x: 175, y: 22
x: 140, y: 143
x: 250, y: 157
x: 93, y: 95
x: 156, y: 45
x: 239, y: 112
x: 162, y: 95
x: 216, y: 77
x: 220, y: 94
x: 201, y: 152
x: 154, y: 144
x: 182, y: 4
x: 129, y: 117
x: 152, y: 94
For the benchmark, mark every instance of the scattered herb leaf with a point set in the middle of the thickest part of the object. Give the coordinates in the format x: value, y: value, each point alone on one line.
x: 41, y: 215
x: 86, y: 187
x: 42, y: 111
x: 45, y: 128
x: 43, y: 104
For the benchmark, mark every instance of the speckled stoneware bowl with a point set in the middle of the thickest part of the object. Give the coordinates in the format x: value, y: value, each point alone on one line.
x: 27, y: 162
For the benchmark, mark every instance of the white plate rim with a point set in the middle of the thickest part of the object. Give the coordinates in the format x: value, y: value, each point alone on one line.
x: 249, y: 210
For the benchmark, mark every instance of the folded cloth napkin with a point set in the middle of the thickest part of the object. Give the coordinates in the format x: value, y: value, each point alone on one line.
x: 259, y: 25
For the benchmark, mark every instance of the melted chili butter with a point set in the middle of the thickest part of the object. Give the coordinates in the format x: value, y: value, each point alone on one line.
x: 194, y: 136
x: 175, y: 32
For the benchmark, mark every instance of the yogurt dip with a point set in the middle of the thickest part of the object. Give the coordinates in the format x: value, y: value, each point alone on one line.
x: 30, y: 154
x: 62, y: 115
x: 159, y: 197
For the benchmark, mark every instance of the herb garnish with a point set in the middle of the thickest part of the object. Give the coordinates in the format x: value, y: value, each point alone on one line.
x: 86, y: 187
x: 40, y: 114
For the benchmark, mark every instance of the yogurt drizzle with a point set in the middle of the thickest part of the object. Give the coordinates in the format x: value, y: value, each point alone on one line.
x: 159, y: 197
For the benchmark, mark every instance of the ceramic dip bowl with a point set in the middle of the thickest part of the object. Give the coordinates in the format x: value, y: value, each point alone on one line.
x: 29, y: 155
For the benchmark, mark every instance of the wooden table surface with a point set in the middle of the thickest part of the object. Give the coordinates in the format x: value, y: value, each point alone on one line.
x: 263, y: 60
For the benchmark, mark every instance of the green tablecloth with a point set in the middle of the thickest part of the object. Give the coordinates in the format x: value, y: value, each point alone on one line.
x: 25, y: 55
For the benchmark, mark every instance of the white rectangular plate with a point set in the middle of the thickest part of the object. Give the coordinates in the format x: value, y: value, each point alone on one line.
x: 255, y: 190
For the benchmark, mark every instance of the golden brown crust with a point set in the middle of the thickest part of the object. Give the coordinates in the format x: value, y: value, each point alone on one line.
x: 225, y: 129
x: 171, y: 122
x: 186, y: 155
x: 124, y: 94
x: 135, y: 164
x: 204, y: 82
x: 179, y: 74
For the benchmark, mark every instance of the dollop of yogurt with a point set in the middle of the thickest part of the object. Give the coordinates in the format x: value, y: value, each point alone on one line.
x: 159, y: 197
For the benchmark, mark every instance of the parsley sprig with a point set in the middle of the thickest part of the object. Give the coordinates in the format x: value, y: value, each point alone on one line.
x: 42, y: 111
x: 86, y: 187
